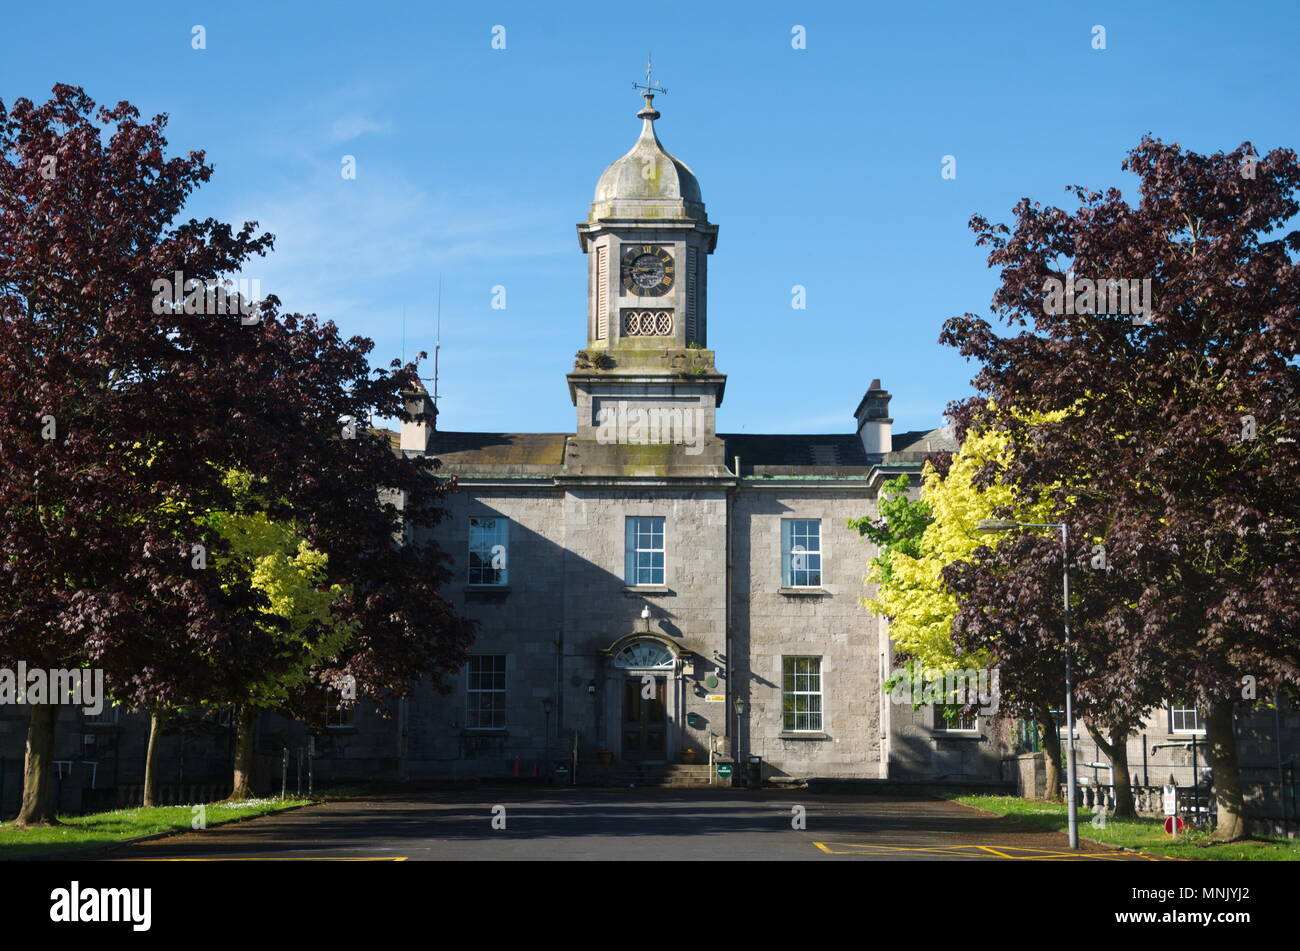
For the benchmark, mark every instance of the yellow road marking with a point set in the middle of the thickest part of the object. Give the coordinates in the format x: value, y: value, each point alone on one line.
x: 278, y: 858
x: 1015, y: 853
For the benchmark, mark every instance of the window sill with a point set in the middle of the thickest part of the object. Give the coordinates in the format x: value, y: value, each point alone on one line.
x: 803, y: 592
x: 480, y: 591
x: 484, y: 731
x: 966, y: 735
x: 803, y: 736
x: 633, y: 591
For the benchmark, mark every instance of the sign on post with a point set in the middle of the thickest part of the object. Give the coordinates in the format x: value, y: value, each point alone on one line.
x: 1171, y: 800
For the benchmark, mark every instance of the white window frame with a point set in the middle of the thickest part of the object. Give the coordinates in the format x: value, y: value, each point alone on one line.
x: 816, y: 718
x: 794, y: 549
x: 1175, y: 712
x: 486, y: 534
x: 338, y: 717
x: 635, y: 534
x: 474, y: 690
x: 943, y: 725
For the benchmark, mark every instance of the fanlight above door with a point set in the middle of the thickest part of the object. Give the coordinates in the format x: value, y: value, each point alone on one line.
x: 644, y: 653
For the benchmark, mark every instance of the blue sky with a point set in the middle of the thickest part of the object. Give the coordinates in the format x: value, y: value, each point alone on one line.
x: 820, y: 165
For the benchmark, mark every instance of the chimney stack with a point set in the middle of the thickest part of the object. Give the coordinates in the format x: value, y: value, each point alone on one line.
x: 875, y: 428
x: 424, y: 416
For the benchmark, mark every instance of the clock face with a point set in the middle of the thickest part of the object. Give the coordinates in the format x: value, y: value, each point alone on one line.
x: 648, y: 271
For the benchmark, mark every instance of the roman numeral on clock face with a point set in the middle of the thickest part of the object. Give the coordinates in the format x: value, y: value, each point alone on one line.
x: 647, y: 270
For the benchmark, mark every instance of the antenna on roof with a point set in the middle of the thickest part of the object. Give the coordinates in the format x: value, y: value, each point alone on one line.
x: 437, y: 345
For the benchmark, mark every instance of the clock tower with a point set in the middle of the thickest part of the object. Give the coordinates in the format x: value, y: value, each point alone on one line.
x: 647, y: 240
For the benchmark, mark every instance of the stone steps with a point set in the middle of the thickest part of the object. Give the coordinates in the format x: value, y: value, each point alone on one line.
x: 674, y: 775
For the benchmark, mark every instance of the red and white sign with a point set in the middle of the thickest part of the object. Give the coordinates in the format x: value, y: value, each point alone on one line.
x: 1170, y: 827
x: 1170, y: 799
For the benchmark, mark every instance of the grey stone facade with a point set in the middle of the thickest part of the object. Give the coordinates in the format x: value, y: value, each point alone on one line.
x: 725, y: 621
x: 713, y: 642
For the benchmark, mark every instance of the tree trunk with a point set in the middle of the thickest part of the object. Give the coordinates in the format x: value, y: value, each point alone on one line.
x: 1116, y: 750
x: 1051, y: 754
x: 157, y: 718
x: 245, y: 723
x: 1221, y: 751
x: 1125, y: 807
x: 38, y: 806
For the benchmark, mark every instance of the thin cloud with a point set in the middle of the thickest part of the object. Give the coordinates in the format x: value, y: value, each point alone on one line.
x: 347, y: 128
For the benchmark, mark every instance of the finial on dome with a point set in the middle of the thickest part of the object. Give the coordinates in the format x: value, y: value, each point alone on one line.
x: 651, y: 88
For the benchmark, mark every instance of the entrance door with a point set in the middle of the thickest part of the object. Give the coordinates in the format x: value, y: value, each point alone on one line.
x: 645, y: 726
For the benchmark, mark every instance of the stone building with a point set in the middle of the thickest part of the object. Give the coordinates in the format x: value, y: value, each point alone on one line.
x: 646, y: 582
x: 649, y: 590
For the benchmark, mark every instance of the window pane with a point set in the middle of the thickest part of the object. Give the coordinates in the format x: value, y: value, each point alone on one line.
x: 488, y: 550
x: 801, y: 552
x: 645, y: 554
x: 801, y: 696
x: 485, y: 700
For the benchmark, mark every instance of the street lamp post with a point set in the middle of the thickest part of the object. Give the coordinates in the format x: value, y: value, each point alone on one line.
x: 547, y: 706
x: 1003, y: 525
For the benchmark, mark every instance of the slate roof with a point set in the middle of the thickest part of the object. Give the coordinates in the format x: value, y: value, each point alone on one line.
x: 760, y: 453
x: 926, y: 440
x: 499, y: 454
x: 819, y: 454
x: 394, y: 438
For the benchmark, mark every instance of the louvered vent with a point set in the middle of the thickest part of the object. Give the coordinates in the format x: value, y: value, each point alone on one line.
x: 602, y: 293
x: 692, y: 330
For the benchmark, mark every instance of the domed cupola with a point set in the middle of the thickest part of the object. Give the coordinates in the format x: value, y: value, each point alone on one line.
x: 647, y: 242
x: 647, y: 182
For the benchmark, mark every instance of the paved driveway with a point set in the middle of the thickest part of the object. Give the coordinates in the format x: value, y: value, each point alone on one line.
x: 641, y: 824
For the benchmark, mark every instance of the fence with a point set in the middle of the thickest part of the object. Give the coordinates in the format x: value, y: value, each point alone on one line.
x: 167, y: 794
x: 1273, y: 807
x: 1273, y: 794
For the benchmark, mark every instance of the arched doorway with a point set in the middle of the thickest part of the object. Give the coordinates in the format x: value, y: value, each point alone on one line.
x: 646, y: 672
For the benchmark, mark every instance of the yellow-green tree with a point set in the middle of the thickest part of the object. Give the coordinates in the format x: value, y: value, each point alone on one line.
x: 910, y: 590
x: 918, y: 538
x: 280, y: 564
x: 269, y: 557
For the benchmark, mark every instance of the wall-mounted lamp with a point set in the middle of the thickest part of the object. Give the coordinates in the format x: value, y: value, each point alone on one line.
x: 591, y: 688
x: 548, y: 705
x: 740, y: 706
x: 645, y: 616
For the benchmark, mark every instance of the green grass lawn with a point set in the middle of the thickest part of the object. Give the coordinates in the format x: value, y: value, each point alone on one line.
x: 1147, y: 835
x: 106, y: 828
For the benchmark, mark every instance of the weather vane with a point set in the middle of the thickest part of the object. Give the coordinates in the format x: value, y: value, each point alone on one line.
x: 651, y: 88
